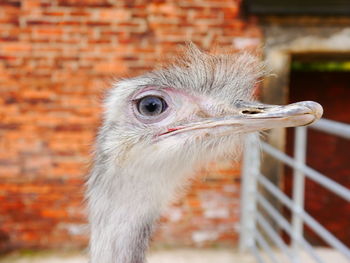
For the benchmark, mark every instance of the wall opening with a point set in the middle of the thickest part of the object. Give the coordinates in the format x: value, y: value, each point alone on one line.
x: 324, y: 78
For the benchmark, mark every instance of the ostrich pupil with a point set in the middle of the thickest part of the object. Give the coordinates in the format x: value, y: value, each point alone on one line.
x: 151, y: 106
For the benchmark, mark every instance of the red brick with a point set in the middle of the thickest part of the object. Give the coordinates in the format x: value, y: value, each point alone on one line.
x: 7, y: 171
x: 16, y: 47
x: 54, y: 213
x: 114, y: 14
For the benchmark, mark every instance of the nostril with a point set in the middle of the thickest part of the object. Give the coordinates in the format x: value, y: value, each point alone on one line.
x: 251, y: 112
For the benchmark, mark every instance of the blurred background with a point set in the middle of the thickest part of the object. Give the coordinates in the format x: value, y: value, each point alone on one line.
x: 58, y: 57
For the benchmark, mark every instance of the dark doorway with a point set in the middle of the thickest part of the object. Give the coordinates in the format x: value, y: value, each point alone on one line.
x: 325, y: 79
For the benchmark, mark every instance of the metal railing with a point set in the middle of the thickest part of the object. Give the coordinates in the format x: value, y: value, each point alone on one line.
x: 255, y: 227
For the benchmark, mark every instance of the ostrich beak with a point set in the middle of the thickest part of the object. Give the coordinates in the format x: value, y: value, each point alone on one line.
x: 254, y: 116
x: 257, y: 116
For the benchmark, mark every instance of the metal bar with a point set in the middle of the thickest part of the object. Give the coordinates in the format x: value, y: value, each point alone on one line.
x: 332, y: 127
x: 325, y: 234
x: 286, y: 226
x: 308, y: 248
x: 250, y: 167
x: 317, y: 227
x: 274, y: 236
x: 263, y: 243
x: 275, y: 214
x: 300, y: 144
x: 257, y: 255
x: 275, y: 191
x: 309, y: 172
x: 287, y: 202
x: 297, y: 205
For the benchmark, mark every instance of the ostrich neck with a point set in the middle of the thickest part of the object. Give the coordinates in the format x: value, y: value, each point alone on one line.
x: 123, y: 208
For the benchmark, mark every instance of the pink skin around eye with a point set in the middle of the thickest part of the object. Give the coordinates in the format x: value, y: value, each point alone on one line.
x: 176, y: 100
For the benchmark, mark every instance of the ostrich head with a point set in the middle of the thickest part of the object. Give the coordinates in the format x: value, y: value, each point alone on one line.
x: 158, y: 128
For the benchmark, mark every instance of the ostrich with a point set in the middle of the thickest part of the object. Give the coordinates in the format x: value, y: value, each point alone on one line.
x: 160, y: 127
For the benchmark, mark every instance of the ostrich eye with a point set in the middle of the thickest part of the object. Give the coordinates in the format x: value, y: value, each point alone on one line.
x: 151, y: 106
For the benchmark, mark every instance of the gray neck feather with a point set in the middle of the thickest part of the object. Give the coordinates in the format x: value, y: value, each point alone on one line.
x: 126, y: 198
x: 122, y: 211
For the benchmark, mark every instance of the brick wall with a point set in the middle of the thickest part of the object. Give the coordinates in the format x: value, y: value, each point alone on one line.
x: 56, y: 58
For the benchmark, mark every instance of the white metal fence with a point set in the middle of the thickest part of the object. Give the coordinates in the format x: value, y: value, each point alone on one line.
x: 258, y: 235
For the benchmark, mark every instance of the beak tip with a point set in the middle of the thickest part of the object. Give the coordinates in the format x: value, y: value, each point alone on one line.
x: 316, y: 109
